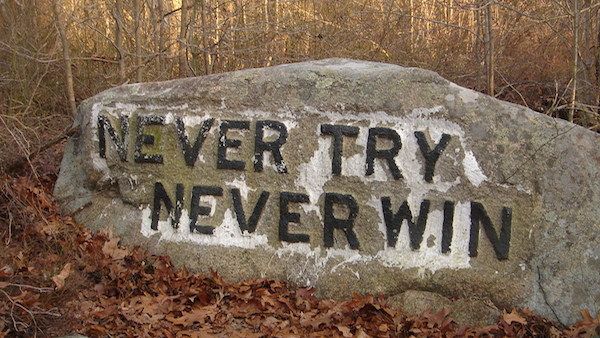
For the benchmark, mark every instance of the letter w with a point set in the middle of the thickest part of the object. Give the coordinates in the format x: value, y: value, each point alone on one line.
x: 393, y: 222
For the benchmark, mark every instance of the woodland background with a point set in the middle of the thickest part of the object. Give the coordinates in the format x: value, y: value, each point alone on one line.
x: 56, y: 277
x: 54, y: 53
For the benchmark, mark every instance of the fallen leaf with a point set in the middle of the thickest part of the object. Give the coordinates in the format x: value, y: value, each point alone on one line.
x: 513, y: 317
x: 111, y: 249
x: 197, y: 315
x: 59, y: 279
x: 345, y: 330
x: 587, y: 317
x: 50, y: 228
x: 6, y: 271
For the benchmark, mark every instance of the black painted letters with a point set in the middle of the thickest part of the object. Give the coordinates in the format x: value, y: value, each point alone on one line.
x: 260, y: 145
x: 249, y: 225
x: 190, y: 153
x: 338, y: 132
x: 286, y: 217
x: 120, y: 143
x: 346, y: 225
x: 501, y: 244
x: 199, y: 210
x: 145, y: 139
x: 431, y: 156
x: 387, y: 154
x: 393, y: 222
x: 225, y: 143
x: 382, y: 143
x: 174, y: 210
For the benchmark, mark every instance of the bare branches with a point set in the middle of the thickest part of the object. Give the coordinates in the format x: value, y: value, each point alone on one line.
x: 19, y: 324
x: 29, y: 155
x: 60, y: 26
x: 478, y: 43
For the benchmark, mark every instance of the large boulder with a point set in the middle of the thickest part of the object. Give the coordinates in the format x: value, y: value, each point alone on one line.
x: 348, y: 176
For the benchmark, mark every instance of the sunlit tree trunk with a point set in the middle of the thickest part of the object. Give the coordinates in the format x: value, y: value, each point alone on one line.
x: 159, y: 35
x: 268, y: 42
x: 60, y: 27
x: 137, y: 14
x: 575, y: 61
x: 489, y: 50
x: 190, y: 40
x: 183, y: 62
x: 118, y: 16
x: 412, y: 25
x: 597, y: 63
x: 216, y: 45
x: 205, y: 47
x: 241, y: 33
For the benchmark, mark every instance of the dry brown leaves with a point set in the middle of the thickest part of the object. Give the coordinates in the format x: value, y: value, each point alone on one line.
x: 58, y: 278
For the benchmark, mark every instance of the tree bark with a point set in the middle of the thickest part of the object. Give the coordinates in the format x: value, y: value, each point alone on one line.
x: 412, y: 26
x: 571, y: 114
x: 137, y: 9
x: 183, y: 62
x: 118, y: 16
x: 597, y: 65
x: 489, y: 50
x: 61, y: 28
x: 161, y: 35
x: 205, y: 47
x: 189, y: 38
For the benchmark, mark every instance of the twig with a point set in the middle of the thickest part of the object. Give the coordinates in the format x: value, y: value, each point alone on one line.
x: 19, y: 305
x: 36, y: 288
x: 24, y: 148
x: 10, y: 223
x: 510, y: 85
x: 18, y: 164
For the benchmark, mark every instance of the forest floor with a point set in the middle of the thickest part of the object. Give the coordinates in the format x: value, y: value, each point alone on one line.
x: 58, y: 278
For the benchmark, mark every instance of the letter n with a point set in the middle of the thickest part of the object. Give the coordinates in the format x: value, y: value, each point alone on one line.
x: 120, y: 143
x: 174, y: 210
x: 501, y: 244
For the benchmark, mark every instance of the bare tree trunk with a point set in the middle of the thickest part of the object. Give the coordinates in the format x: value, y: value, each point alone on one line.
x: 268, y: 56
x: 161, y: 35
x: 240, y: 33
x: 155, y: 16
x: 571, y: 114
x: 183, y: 63
x: 597, y: 64
x: 216, y: 45
x: 190, y: 38
x: 205, y: 47
x: 275, y: 30
x: 412, y: 26
x: 489, y: 50
x: 60, y: 26
x: 137, y: 9
x: 118, y: 16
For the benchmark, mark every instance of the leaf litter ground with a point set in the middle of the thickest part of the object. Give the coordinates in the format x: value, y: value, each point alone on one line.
x: 57, y: 278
